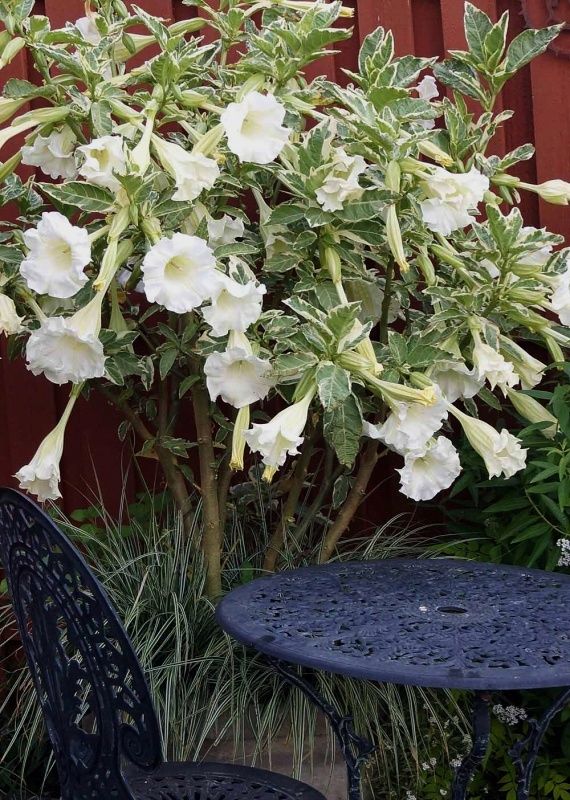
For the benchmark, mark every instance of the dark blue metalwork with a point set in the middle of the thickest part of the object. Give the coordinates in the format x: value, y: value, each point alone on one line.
x: 354, y: 748
x: 91, y: 689
x: 438, y: 623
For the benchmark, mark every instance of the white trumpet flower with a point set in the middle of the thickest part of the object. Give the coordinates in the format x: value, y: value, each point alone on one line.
x: 427, y: 472
x: 225, y: 230
x: 53, y: 154
x: 491, y: 366
x: 103, y: 160
x: 236, y: 375
x: 254, y: 128
x: 10, y: 321
x: 235, y: 306
x: 450, y: 198
x: 502, y: 452
x: 193, y: 172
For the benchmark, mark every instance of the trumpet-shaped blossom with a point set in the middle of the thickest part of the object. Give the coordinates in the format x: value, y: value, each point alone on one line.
x: 53, y: 154
x: 410, y: 425
x: 237, y: 376
x: 103, y: 160
x: 254, y: 128
x: 341, y: 184
x: 68, y: 348
x: 193, y: 172
x: 502, y: 452
x: 455, y: 380
x: 428, y: 471
x: 491, y: 366
x: 41, y: 476
x: 235, y: 306
x: 281, y: 436
x: 451, y: 197
x: 225, y: 230
x: 10, y: 322
x: 179, y: 273
x: 58, y: 254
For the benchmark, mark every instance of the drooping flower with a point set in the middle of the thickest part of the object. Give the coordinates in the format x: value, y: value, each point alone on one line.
x: 554, y: 191
x: 225, y: 230
x: 529, y: 369
x: 193, y: 172
x: 502, y: 452
x: 179, y: 272
x: 254, y: 128
x: 281, y: 436
x: 87, y: 27
x: 560, y: 297
x: 491, y: 366
x: 450, y: 197
x: 58, y: 254
x: 235, y: 306
x: 241, y: 425
x: 104, y: 159
x: 455, y: 380
x: 410, y: 425
x: 341, y: 183
x: 41, y: 476
x: 427, y: 472
x: 10, y: 321
x: 427, y: 88
x: 236, y: 375
x: 53, y: 154
x: 68, y: 348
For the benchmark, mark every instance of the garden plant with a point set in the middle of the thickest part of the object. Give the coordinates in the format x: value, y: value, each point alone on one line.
x: 302, y: 262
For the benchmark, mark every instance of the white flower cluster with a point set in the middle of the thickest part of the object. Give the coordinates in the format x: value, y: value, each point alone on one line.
x: 509, y: 715
x: 564, y: 558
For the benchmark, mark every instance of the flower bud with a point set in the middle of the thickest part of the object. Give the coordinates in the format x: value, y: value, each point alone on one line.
x: 431, y: 150
x: 331, y: 261
x: 208, y: 142
x: 395, y: 242
x: 238, y: 438
x: 11, y: 51
x: 426, y: 267
x: 8, y: 167
x: 254, y: 83
x: 9, y: 106
x: 531, y: 410
x: 556, y: 191
x: 392, y: 177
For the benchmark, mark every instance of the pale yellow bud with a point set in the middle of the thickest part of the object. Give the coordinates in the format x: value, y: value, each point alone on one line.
x: 241, y: 425
x: 395, y: 242
x: 533, y: 411
x: 431, y: 150
x: 556, y: 191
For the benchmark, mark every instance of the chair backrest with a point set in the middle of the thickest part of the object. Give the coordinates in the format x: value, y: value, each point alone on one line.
x: 92, y: 691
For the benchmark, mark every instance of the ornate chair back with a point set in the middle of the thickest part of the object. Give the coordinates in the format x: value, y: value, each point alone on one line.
x: 93, y: 694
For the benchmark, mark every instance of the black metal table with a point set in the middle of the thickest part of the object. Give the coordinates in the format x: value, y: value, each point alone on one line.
x: 435, y: 623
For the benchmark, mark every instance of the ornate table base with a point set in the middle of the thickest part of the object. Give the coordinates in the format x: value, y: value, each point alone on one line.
x: 355, y: 749
x: 524, y: 753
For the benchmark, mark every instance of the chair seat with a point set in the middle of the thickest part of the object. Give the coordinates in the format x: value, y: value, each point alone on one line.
x: 210, y: 781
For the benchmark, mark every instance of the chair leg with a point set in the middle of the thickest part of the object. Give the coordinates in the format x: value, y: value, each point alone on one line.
x: 524, y: 753
x: 473, y: 759
x: 355, y: 749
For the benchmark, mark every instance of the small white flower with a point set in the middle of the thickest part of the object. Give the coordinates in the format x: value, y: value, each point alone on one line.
x: 58, y: 254
x: 510, y: 715
x: 226, y: 230
x: 491, y: 366
x: 529, y: 369
x: 193, y: 172
x: 68, y: 348
x: 427, y: 88
x: 455, y: 380
x: 341, y: 184
x: 410, y: 425
x: 450, y: 197
x: 429, y: 471
x: 53, y: 154
x: 88, y: 29
x: 237, y: 376
x: 179, y: 272
x: 254, y: 128
x: 501, y: 452
x: 560, y: 297
x: 235, y: 306
x: 564, y: 558
x: 281, y: 436
x: 41, y: 476
x: 104, y: 159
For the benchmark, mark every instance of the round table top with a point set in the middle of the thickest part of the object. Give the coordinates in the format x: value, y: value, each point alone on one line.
x: 435, y: 622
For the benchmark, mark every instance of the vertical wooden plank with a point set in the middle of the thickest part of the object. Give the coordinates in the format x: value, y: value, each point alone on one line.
x: 428, y: 31
x: 347, y: 57
x: 61, y: 12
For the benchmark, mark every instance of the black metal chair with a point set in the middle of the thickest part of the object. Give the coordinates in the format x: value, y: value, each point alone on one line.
x: 93, y: 694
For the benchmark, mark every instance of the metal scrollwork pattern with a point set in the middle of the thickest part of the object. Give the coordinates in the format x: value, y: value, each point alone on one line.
x: 92, y: 692
x: 438, y: 623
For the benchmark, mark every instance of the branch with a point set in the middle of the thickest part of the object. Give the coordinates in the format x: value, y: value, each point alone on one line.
x: 386, y: 300
x: 275, y: 545
x: 212, y: 535
x: 355, y: 497
x: 225, y: 474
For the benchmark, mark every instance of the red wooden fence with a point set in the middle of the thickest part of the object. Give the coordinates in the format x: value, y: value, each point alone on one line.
x: 93, y: 456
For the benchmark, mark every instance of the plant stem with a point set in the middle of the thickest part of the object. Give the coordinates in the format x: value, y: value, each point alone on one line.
x: 386, y: 303
x: 355, y: 497
x: 212, y: 534
x: 297, y: 482
x: 225, y: 474
x: 174, y: 478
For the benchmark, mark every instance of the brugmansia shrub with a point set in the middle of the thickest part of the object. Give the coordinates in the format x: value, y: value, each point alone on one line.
x: 217, y: 230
